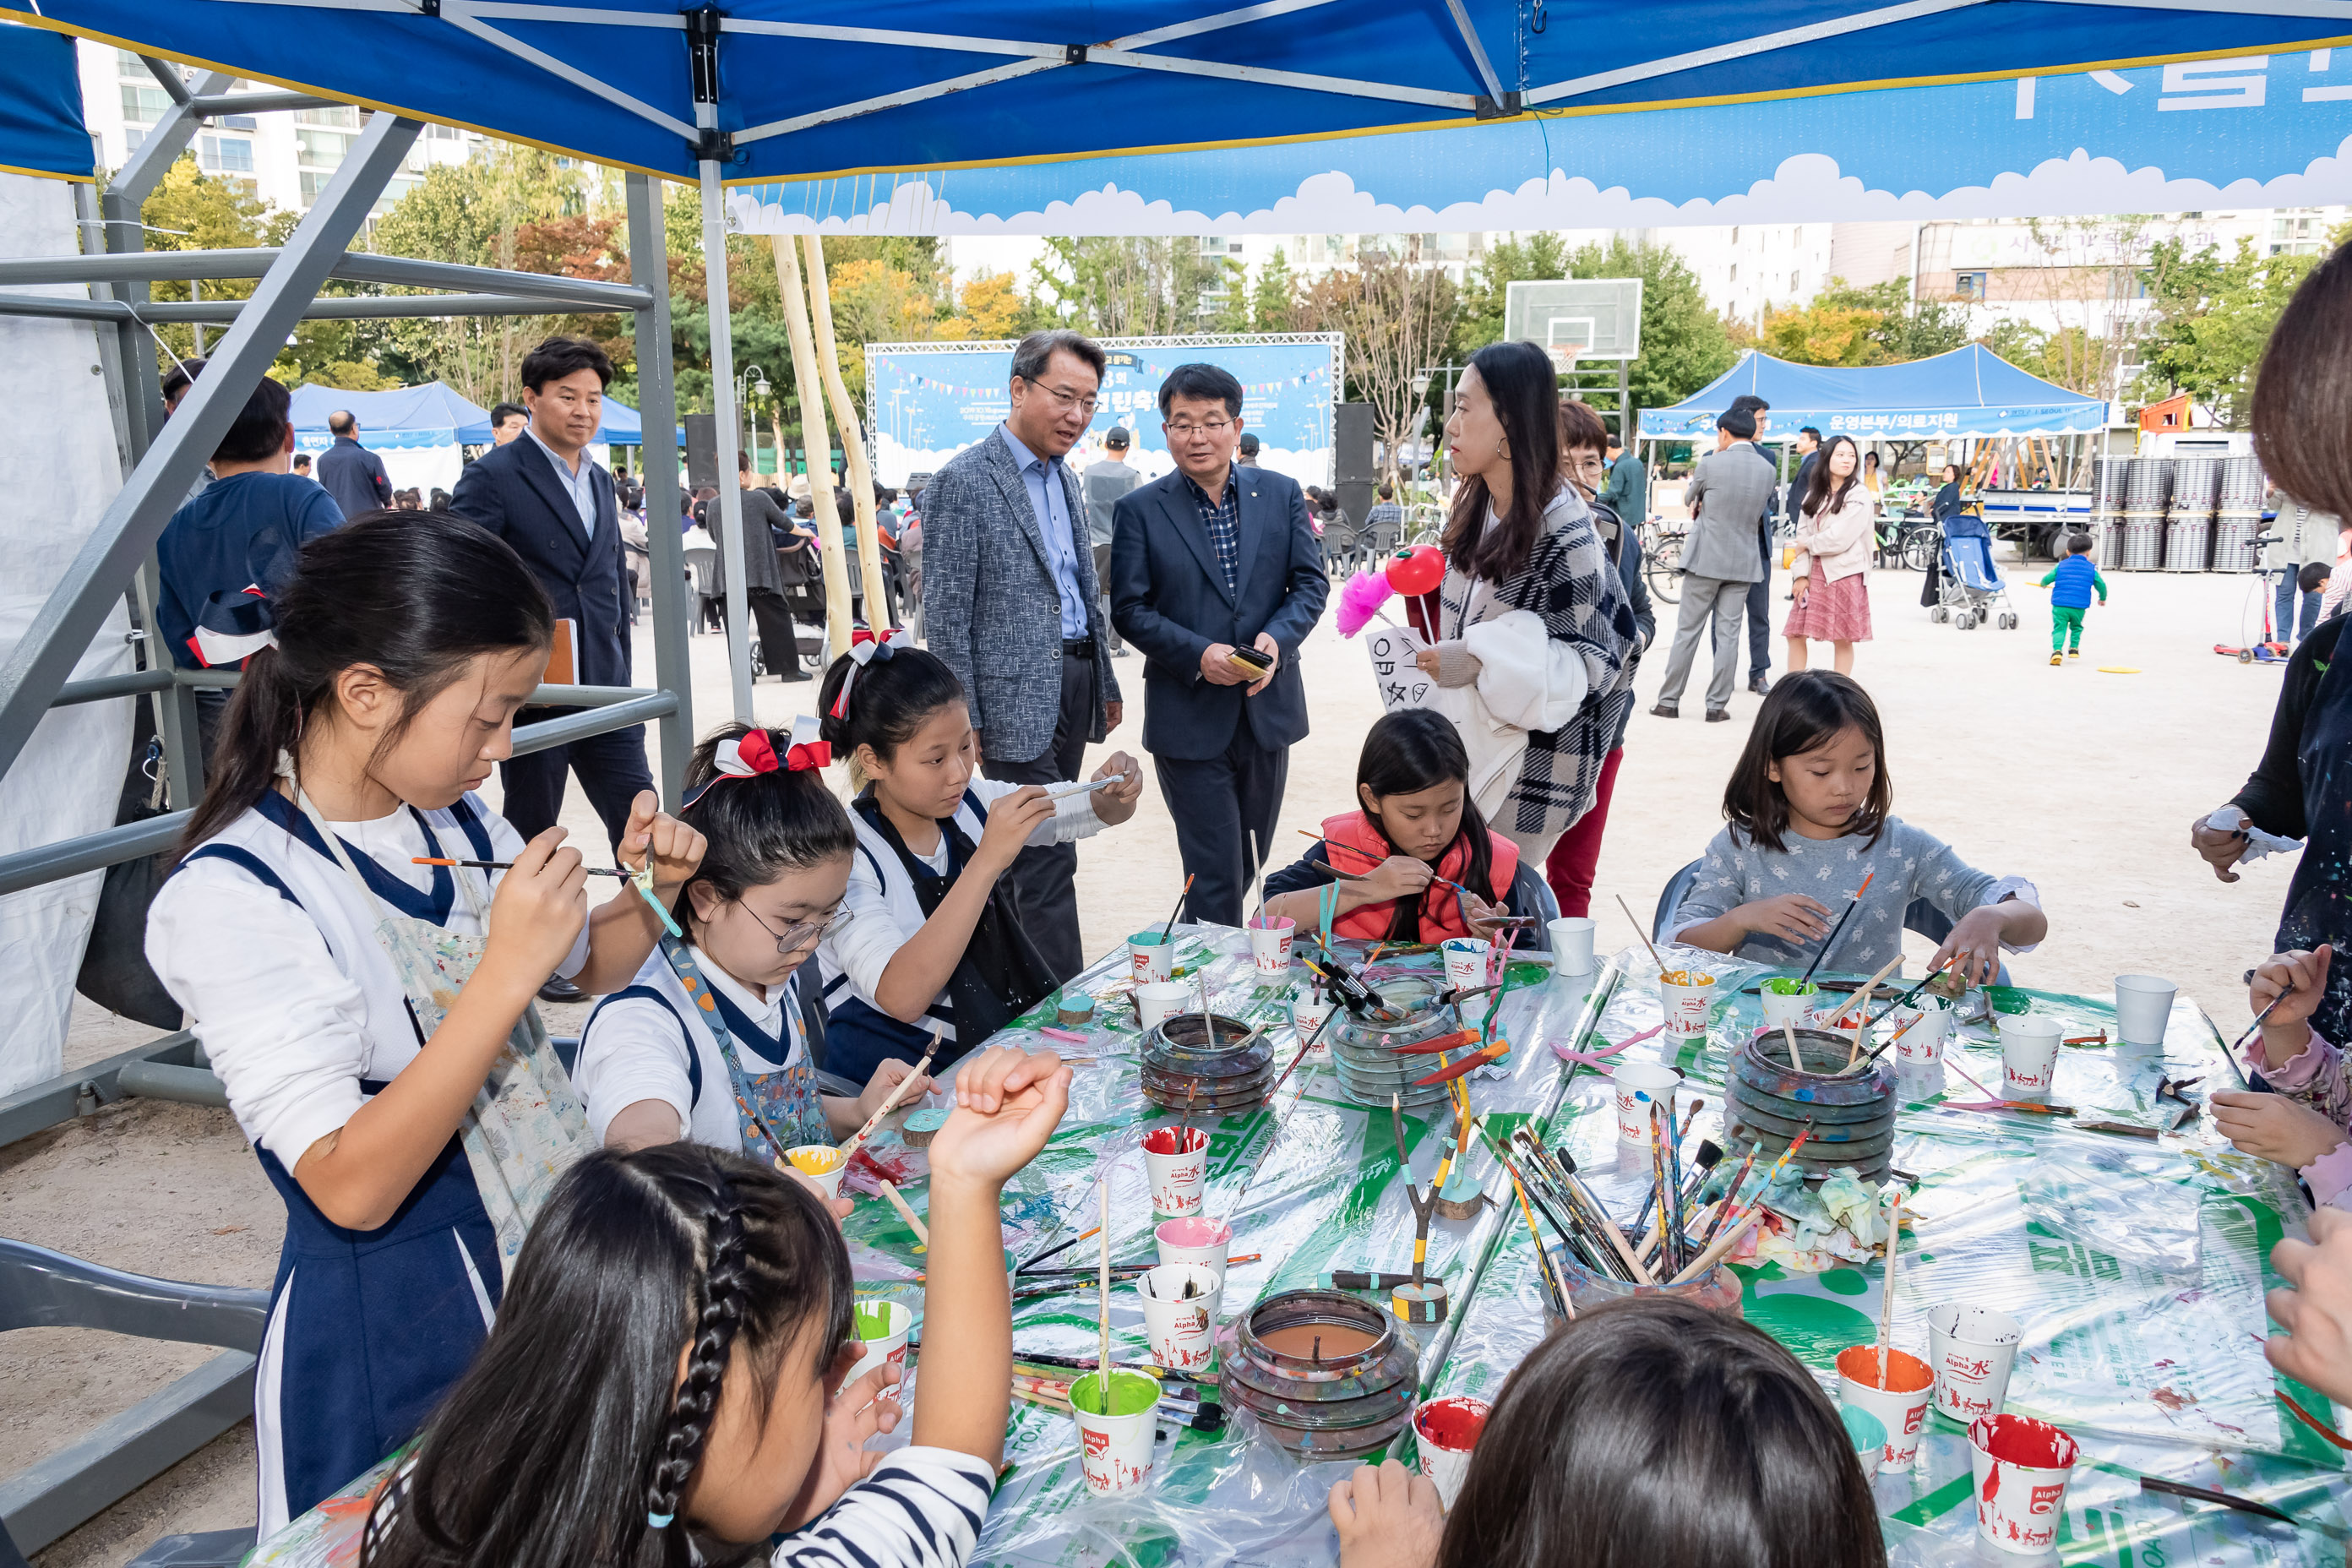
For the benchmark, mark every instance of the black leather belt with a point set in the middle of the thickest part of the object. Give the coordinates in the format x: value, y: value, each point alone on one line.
x: 1081, y: 648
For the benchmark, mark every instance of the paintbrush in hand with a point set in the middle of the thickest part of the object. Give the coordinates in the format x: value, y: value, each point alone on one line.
x: 890, y: 1101
x: 1830, y: 940
x: 2255, y: 1027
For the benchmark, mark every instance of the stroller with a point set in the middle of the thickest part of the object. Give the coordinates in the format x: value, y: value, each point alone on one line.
x: 1968, y: 588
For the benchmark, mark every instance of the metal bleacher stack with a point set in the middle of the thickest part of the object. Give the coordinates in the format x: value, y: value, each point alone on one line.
x: 2106, y: 524
x: 2238, y: 517
x: 2147, y: 481
x: 2188, y: 516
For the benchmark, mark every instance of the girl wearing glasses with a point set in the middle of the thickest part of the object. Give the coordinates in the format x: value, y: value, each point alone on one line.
x: 709, y: 1042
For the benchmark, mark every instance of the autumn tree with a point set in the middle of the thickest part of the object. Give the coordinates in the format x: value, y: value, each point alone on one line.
x: 1396, y: 318
x: 2213, y: 317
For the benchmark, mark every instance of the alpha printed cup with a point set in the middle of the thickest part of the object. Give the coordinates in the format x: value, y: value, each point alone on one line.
x: 1867, y: 1433
x: 2029, y: 1054
x: 1925, y: 1028
x: 1465, y: 961
x: 1685, y: 995
x: 1159, y: 1000
x: 1972, y: 1349
x: 2021, y: 1469
x: 1571, y: 944
x: 1115, y: 1445
x: 1269, y: 938
x: 1790, y: 1006
x: 2143, y: 1008
x: 1181, y: 1329
x: 1447, y: 1431
x: 821, y: 1163
x: 882, y: 1328
x: 1901, y: 1406
x: 1639, y: 1086
x: 1176, y: 1159
x: 1148, y: 958
x: 1196, y: 1240
x: 1307, y: 1010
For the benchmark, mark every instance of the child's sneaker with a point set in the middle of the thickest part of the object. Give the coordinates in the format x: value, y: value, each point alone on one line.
x: 2056, y: 658
x: 2074, y: 653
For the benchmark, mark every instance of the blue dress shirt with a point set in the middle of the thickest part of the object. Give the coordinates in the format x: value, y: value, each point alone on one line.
x: 580, y: 483
x: 1049, y: 499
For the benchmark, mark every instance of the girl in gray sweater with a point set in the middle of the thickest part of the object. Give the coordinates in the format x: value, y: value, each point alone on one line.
x: 1808, y: 810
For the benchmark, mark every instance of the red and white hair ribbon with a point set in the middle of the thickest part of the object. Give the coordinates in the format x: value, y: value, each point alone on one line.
x: 866, y: 646
x: 754, y: 753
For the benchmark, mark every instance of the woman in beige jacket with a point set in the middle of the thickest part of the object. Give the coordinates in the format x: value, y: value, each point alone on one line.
x: 1836, y: 528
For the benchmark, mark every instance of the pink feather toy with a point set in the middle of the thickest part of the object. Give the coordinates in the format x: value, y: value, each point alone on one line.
x: 1361, y: 600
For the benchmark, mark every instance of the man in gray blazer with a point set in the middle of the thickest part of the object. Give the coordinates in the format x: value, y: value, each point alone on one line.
x: 1731, y: 488
x: 1010, y: 603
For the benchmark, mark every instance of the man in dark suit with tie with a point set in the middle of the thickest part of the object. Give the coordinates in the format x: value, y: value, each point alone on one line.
x: 544, y: 495
x: 1213, y: 558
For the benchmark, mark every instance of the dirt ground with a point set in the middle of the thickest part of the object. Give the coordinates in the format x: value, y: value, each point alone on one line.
x: 2084, y: 780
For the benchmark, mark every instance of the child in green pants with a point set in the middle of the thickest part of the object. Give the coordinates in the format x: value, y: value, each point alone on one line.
x: 2071, y: 582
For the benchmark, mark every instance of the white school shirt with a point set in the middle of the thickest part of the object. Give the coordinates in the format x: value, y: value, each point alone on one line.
x: 296, y: 1005
x: 633, y: 1051
x: 881, y: 904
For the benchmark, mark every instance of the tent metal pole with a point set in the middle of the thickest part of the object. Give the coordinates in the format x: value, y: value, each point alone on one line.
x: 45, y: 658
x: 359, y: 308
x: 1788, y: 38
x: 657, y: 460
x: 730, y: 420
x: 1477, y: 51
x: 351, y: 267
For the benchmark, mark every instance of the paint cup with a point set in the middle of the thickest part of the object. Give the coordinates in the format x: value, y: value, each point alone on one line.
x: 1269, y: 938
x: 821, y: 1163
x: 1075, y: 1010
x: 1465, y: 961
x: 1115, y: 1445
x: 1971, y: 1350
x: 2021, y: 1469
x: 1685, y: 995
x: 1867, y: 1433
x: 1921, y: 1042
x: 2143, y: 1008
x: 1176, y: 1159
x: 1446, y: 1430
x: 1787, y: 1002
x: 2029, y: 1054
x: 1901, y: 1406
x: 1640, y: 1085
x: 1196, y: 1240
x: 1157, y: 1001
x: 881, y: 1329
x: 1571, y: 944
x: 1181, y: 1329
x: 1148, y: 958
x: 1308, y: 1012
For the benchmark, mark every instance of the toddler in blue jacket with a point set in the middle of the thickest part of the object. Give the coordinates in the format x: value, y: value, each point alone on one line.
x: 2071, y: 582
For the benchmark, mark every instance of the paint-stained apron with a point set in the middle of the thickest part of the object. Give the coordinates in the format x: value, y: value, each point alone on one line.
x: 2319, y: 900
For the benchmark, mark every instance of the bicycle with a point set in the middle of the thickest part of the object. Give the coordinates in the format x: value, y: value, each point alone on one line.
x: 1662, y: 560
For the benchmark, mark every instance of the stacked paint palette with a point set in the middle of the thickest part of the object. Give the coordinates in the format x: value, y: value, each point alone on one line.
x: 1327, y: 1376
x: 1768, y: 1100
x: 1206, y: 1064
x: 1364, y: 1048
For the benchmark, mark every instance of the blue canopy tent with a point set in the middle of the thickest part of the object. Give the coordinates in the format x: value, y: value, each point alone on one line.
x: 41, y: 130
x: 1970, y: 391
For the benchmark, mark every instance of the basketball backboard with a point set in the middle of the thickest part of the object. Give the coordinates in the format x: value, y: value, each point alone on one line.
x: 1597, y: 318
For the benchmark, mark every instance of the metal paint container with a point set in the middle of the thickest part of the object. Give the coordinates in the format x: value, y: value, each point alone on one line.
x: 1341, y: 1408
x: 1768, y: 1101
x: 1206, y: 1069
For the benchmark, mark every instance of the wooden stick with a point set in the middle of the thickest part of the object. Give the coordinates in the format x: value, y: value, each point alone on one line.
x: 1745, y: 1222
x: 1639, y: 932
x: 890, y: 1103
x: 1104, y: 1289
x: 1886, y: 1308
x: 1862, y: 1008
x: 832, y: 561
x: 854, y: 474
x: 913, y: 1223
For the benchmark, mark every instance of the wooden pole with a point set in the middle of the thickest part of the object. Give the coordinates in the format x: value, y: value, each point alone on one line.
x: 808, y: 379
x: 859, y: 476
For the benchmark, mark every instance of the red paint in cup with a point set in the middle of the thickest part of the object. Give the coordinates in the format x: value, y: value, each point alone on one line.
x: 1175, y: 1141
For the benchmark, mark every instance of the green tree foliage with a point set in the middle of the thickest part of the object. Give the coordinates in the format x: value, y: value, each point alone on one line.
x: 1874, y: 324
x: 1124, y: 285
x: 1684, y: 344
x: 1273, y: 299
x: 2213, y: 316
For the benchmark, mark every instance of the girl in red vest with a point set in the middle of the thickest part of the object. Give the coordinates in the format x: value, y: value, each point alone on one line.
x: 1418, y: 832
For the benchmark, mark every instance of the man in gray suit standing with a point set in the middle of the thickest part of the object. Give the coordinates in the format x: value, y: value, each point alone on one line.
x: 1731, y: 488
x: 1010, y: 605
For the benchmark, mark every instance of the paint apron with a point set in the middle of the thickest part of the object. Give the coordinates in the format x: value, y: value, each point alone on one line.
x: 2319, y: 900
x: 769, y: 1106
x: 369, y: 1328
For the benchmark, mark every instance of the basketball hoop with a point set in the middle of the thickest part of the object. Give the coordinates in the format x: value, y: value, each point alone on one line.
x: 1563, y: 357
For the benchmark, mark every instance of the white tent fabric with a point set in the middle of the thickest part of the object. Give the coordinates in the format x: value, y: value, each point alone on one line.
x: 59, y: 470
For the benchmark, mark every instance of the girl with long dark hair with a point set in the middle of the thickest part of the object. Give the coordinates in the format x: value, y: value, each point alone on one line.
x: 1534, y: 630
x: 1837, y: 529
x: 1372, y: 875
x: 369, y: 1012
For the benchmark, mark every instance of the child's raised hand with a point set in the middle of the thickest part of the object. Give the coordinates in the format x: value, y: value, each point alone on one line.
x: 2274, y: 1127
x: 677, y: 849
x: 1008, y: 1102
x: 1792, y: 917
x: 2288, y: 1026
x: 862, y: 1409
x: 1973, y: 950
x: 2315, y: 1309
x: 1387, y: 1517
x: 1398, y: 877
x: 539, y: 905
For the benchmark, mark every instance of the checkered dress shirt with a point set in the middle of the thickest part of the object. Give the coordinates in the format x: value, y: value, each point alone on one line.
x: 1223, y: 519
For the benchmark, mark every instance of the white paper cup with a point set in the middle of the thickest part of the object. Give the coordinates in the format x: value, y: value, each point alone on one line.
x: 1308, y: 1011
x: 2143, y: 1008
x: 1196, y: 1240
x: 1115, y: 1449
x: 821, y: 1163
x: 1687, y: 1005
x: 1181, y: 1330
x: 1972, y: 1349
x: 1867, y: 1433
x: 1446, y: 1431
x: 1148, y: 958
x: 1921, y: 1044
x: 2028, y: 1053
x: 882, y: 1327
x: 1269, y: 938
x: 1638, y: 1086
x: 1465, y: 961
x: 1789, y: 1010
x: 1157, y: 1000
x: 2021, y: 1469
x: 1901, y: 1406
x: 1571, y: 944
x: 1176, y: 1159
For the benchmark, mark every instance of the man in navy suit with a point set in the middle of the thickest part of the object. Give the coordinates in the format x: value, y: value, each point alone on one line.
x: 1209, y: 559
x: 544, y: 495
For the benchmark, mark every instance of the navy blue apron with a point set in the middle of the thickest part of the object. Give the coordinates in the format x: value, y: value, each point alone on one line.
x: 2319, y: 900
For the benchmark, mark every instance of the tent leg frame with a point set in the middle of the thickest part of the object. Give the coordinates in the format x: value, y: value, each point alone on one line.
x: 657, y: 408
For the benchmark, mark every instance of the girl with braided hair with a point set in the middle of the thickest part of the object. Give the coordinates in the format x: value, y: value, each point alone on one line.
x: 711, y: 1041
x: 659, y: 1391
